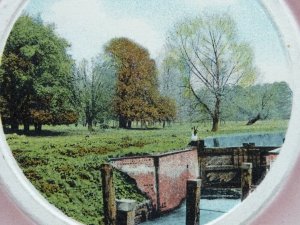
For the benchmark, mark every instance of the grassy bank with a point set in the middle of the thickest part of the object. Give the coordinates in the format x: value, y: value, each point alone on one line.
x: 63, y: 162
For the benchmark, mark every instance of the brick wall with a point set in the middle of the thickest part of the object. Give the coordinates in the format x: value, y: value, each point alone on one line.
x: 174, y: 170
x: 162, y: 177
x: 143, y: 171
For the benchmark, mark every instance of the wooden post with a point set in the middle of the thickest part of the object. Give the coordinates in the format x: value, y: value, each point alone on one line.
x: 193, y: 201
x: 246, y: 179
x: 201, y: 145
x: 126, y: 212
x: 156, y: 211
x: 200, y: 148
x: 109, y: 199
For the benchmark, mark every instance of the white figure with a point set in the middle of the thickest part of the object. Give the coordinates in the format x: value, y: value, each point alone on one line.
x: 194, y: 134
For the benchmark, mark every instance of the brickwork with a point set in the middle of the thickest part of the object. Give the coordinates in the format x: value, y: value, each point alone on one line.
x: 141, y: 169
x: 162, y: 177
x: 174, y: 171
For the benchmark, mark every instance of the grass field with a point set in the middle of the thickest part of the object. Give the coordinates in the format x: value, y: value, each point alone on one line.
x: 63, y: 162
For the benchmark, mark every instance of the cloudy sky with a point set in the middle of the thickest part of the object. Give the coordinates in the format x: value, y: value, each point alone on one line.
x: 89, y: 24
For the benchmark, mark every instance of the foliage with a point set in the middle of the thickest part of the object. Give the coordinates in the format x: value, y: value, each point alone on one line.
x: 166, y: 109
x: 137, y: 92
x: 261, y: 101
x: 256, y: 102
x: 93, y: 90
x: 34, y: 76
x: 212, y: 58
x: 63, y: 163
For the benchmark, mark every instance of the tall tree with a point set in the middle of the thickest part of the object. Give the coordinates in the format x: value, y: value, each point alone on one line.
x: 35, y: 75
x: 214, y: 58
x: 93, y: 89
x: 137, y: 83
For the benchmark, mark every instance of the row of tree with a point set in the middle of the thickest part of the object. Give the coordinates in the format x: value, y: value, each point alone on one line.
x: 206, y: 73
x: 250, y: 104
x: 41, y: 84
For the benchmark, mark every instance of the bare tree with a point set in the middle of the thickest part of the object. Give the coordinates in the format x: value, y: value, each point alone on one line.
x: 214, y: 59
x: 170, y: 80
x: 93, y: 89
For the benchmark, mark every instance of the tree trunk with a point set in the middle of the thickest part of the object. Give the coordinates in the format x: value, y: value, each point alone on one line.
x: 90, y: 126
x: 215, y: 125
x: 122, y: 122
x: 254, y: 120
x: 38, y: 127
x: 216, y: 115
x: 13, y: 118
x: 26, y: 127
x: 164, y: 124
x: 89, y: 121
x: 14, y: 126
x: 129, y: 123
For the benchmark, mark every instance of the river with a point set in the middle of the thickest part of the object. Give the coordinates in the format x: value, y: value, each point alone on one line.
x: 272, y: 139
x: 209, y: 210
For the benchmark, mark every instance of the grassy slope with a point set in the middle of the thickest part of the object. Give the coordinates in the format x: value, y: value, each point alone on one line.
x: 64, y: 162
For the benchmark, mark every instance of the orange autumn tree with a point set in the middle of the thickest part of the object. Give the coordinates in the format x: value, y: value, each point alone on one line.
x: 137, y: 96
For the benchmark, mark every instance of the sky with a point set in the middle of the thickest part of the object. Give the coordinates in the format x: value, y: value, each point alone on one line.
x: 89, y: 24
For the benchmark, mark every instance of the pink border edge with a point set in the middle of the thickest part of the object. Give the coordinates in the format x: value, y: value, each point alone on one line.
x: 285, y: 207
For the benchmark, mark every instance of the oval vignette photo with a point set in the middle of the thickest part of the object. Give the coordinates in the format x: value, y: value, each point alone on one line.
x: 151, y: 112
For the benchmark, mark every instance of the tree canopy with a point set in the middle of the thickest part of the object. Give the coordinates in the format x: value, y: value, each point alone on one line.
x: 35, y: 76
x: 93, y: 90
x: 260, y: 102
x: 213, y: 59
x: 137, y: 94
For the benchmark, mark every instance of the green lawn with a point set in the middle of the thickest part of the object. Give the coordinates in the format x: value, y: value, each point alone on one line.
x: 63, y: 162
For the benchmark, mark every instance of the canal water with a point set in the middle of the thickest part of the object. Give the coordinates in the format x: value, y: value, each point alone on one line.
x: 209, y: 210
x: 212, y: 209
x: 272, y: 139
